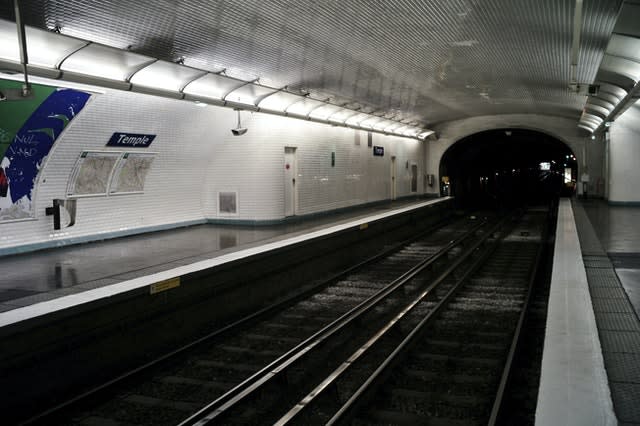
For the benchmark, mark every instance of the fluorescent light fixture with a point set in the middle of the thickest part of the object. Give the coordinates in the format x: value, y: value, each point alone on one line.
x: 400, y: 130
x: 341, y: 116
x: 412, y: 132
x: 590, y: 122
x: 356, y: 119
x: 105, y: 62
x: 212, y: 86
x: 303, y: 107
x: 248, y: 94
x: 617, y: 92
x: 81, y: 60
x: 621, y: 66
x: 392, y: 125
x: 593, y: 117
x: 601, y: 103
x: 56, y: 83
x: 624, y: 46
x: 370, y: 122
x: 278, y: 101
x: 424, y: 135
x: 324, y: 112
x: 587, y: 128
x: 165, y: 75
x: 45, y: 49
x: 382, y: 124
x: 596, y: 108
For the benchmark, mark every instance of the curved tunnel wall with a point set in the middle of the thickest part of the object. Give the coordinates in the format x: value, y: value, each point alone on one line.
x: 590, y: 154
x: 197, y: 157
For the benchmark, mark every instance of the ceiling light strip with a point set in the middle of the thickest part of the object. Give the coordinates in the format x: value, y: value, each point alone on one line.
x: 88, y: 75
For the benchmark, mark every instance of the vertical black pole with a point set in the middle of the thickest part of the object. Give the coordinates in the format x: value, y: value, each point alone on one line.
x: 22, y: 41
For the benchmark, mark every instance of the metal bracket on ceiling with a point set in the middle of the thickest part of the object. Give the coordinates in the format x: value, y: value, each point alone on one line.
x: 22, y: 41
x: 243, y: 83
x: 263, y: 97
x: 575, y: 46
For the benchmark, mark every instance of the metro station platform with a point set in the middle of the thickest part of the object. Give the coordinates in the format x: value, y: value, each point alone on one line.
x: 40, y: 282
x: 591, y: 360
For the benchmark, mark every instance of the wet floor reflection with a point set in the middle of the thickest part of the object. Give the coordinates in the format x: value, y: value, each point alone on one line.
x: 64, y: 267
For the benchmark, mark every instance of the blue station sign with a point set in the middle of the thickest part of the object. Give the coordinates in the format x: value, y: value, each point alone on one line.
x: 378, y: 151
x: 130, y: 140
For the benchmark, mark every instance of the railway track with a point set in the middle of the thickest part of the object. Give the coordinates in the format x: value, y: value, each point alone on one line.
x: 233, y: 362
x: 436, y: 350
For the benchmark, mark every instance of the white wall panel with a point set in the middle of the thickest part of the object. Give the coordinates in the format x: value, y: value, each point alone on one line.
x: 253, y: 165
x: 197, y: 157
x: 624, y: 157
x: 173, y: 187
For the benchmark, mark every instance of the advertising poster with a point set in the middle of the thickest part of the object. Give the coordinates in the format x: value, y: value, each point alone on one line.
x: 28, y: 130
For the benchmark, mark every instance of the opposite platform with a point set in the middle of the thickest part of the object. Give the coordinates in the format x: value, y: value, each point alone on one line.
x: 44, y: 282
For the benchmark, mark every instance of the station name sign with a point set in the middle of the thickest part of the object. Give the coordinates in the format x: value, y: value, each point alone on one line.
x: 378, y: 151
x: 131, y: 140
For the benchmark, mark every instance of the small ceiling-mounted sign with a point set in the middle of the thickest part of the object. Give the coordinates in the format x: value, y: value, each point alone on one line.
x: 130, y: 140
x: 378, y: 151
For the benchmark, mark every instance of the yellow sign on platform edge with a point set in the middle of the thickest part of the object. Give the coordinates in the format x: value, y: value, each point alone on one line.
x: 164, y: 285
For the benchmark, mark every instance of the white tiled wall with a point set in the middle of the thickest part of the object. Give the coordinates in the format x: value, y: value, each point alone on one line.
x: 253, y: 165
x: 624, y: 153
x: 197, y: 157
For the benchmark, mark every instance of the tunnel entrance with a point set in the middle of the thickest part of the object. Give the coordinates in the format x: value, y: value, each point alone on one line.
x: 507, y: 168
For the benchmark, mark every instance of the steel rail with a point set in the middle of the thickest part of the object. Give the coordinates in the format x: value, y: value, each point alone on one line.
x: 313, y: 396
x: 353, y: 403
x: 278, y: 305
x: 60, y: 408
x: 226, y: 402
x: 506, y: 373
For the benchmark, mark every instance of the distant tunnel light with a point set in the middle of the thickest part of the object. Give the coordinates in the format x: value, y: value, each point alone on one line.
x: 248, y: 94
x: 105, y: 62
x: 45, y: 49
x: 165, y: 75
x: 212, y: 86
x: 278, y: 101
x: 545, y: 165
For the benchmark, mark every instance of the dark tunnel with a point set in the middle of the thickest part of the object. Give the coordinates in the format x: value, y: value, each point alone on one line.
x: 507, y: 168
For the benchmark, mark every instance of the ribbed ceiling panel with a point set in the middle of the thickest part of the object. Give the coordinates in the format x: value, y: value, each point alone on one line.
x: 426, y: 61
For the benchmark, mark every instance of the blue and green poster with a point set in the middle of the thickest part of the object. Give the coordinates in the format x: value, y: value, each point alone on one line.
x: 28, y: 130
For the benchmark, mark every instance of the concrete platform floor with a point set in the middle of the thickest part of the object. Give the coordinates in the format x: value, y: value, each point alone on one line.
x: 618, y: 230
x: 610, y: 243
x: 45, y: 275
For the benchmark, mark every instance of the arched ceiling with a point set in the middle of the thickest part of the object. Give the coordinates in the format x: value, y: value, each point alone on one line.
x: 427, y: 61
